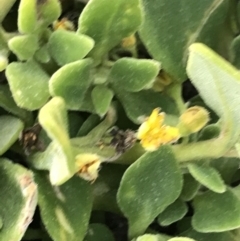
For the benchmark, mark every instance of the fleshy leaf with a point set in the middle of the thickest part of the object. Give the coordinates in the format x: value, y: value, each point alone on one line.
x: 122, y: 18
x: 153, y: 237
x: 71, y: 82
x: 28, y: 84
x: 10, y: 130
x: 168, y: 16
x: 88, y: 125
x: 7, y: 103
x: 137, y: 196
x: 101, y: 97
x: 181, y: 239
x: 173, y: 213
x: 65, y: 210
x: 48, y: 11
x: 19, y: 192
x: 23, y: 46
x: 97, y: 231
x: 223, y: 236
x: 27, y: 16
x: 214, y: 212
x: 207, y: 176
x: 134, y: 74
x: 66, y: 47
x: 218, y: 83
x: 53, y: 118
x: 190, y: 187
x: 140, y: 104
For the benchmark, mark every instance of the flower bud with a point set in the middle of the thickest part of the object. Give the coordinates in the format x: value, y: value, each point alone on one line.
x: 193, y: 120
x: 129, y: 42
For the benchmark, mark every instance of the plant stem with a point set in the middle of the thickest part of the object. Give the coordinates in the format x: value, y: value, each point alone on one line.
x: 175, y: 92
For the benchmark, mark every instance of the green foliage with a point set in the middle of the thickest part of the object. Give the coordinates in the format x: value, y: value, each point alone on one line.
x: 28, y: 94
x: 11, y: 127
x: 161, y: 167
x: 70, y: 213
x: 134, y: 75
x: 207, y: 176
x: 216, y: 212
x: 110, y: 25
x: 23, y: 46
x: 67, y: 76
x: 71, y: 82
x: 66, y: 47
x: 19, y: 192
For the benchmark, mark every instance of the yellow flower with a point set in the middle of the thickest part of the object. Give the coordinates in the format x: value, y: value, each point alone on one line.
x: 87, y: 166
x: 64, y: 24
x: 153, y: 133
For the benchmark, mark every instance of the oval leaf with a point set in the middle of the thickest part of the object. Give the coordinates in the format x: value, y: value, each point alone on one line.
x: 66, y: 47
x: 137, y: 195
x: 10, y: 130
x: 134, y: 74
x: 27, y: 16
x: 190, y: 187
x: 18, y: 194
x: 216, y: 212
x: 181, y: 239
x: 65, y: 210
x: 71, y: 82
x: 138, y: 105
x: 122, y: 18
x: 207, y: 176
x: 171, y: 49
x: 23, y: 46
x: 173, y: 213
x: 101, y: 97
x: 29, y: 84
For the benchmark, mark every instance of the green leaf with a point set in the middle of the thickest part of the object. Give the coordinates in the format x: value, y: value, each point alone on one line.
x: 48, y: 11
x: 223, y: 236
x: 65, y: 210
x: 218, y: 83
x: 10, y: 130
x: 108, y: 22
x: 173, y: 213
x: 71, y: 82
x: 190, y: 187
x: 137, y: 195
x: 42, y: 54
x: 134, y: 74
x: 141, y: 104
x: 181, y: 239
x: 214, y: 212
x: 7, y: 102
x: 66, y: 47
x: 27, y: 16
x: 207, y: 176
x: 168, y: 35
x: 28, y: 84
x: 101, y: 97
x: 97, y: 232
x: 209, y: 132
x: 235, y: 53
x: 53, y: 119
x: 23, y: 46
x: 18, y: 200
x: 152, y: 237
